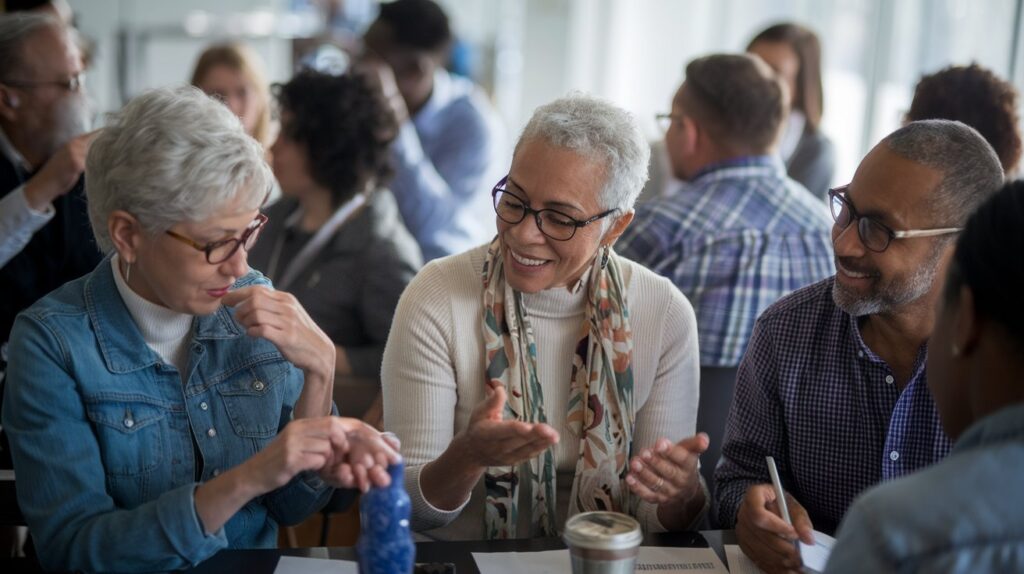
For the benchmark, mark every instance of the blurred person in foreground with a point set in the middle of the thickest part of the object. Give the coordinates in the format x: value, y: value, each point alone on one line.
x: 979, y: 98
x: 449, y: 149
x: 171, y: 404
x: 542, y: 375
x: 336, y: 241
x: 833, y: 384
x: 963, y: 514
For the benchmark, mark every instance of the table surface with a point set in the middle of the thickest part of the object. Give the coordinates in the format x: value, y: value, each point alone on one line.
x: 458, y: 553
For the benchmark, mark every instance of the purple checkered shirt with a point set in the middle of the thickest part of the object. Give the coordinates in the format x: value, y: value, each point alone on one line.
x: 813, y: 395
x: 737, y: 238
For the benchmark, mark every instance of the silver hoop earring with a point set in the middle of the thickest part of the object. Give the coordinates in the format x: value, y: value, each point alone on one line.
x: 128, y: 272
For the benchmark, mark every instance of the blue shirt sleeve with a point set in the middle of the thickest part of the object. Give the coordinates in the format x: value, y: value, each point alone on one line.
x: 18, y: 222
x: 443, y: 197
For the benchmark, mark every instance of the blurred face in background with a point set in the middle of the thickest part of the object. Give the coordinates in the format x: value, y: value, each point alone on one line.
x: 782, y: 58
x: 53, y: 106
x: 237, y: 92
x: 290, y: 161
x: 413, y: 68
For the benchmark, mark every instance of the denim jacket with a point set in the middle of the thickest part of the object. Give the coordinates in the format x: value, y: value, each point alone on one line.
x: 101, y: 432
x: 964, y: 514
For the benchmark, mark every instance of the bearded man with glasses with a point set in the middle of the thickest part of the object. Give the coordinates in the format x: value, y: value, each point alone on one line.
x: 833, y: 383
x: 45, y: 240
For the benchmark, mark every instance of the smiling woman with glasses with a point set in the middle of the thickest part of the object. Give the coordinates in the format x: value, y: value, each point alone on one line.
x: 544, y: 362
x: 171, y: 403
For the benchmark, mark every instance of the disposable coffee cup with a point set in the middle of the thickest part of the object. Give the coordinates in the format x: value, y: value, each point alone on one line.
x: 603, y: 542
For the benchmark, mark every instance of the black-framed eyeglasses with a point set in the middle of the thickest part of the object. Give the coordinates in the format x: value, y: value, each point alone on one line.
x: 558, y: 226
x: 73, y: 84
x: 218, y: 252
x: 665, y: 120
x: 874, y: 235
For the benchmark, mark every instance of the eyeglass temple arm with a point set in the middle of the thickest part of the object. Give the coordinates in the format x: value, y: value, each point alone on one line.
x: 925, y: 232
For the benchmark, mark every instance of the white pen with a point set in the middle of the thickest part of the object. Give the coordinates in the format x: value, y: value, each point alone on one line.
x: 780, y: 495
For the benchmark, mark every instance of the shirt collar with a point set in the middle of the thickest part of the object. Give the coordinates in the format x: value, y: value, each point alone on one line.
x: 119, y: 337
x: 745, y: 166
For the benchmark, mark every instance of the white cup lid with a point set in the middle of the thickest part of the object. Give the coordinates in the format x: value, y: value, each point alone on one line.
x: 602, y: 530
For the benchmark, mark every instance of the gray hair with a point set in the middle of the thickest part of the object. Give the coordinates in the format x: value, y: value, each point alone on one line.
x: 601, y: 131
x: 970, y: 167
x: 172, y: 155
x: 15, y: 28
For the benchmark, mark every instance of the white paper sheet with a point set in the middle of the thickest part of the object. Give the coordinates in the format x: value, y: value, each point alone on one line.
x: 738, y: 561
x: 651, y: 559
x: 303, y: 565
x: 816, y: 555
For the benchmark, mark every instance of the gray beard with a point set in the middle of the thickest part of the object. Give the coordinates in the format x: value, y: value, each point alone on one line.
x: 891, y: 297
x: 72, y: 120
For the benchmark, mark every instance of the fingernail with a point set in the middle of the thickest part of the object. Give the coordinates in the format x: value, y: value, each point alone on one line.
x: 646, y: 454
x: 637, y: 466
x: 630, y: 480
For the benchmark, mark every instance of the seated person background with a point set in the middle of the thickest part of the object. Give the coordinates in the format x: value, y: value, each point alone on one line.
x: 741, y: 234
x: 833, y: 384
x: 580, y: 345
x: 234, y: 74
x: 45, y: 239
x: 336, y: 240
x: 962, y: 514
x: 170, y: 403
x: 977, y: 97
x: 449, y: 148
x: 794, y: 52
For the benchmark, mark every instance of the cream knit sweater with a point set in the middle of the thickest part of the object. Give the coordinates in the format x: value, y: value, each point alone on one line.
x: 433, y: 375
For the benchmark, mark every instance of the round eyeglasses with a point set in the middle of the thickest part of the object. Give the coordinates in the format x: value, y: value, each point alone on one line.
x: 874, y: 235
x: 218, y: 252
x: 553, y: 223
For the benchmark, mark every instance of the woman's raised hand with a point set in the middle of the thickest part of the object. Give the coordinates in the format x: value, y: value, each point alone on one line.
x: 492, y: 441
x: 279, y: 318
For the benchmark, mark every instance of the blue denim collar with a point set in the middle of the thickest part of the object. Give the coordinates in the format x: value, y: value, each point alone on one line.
x: 122, y: 346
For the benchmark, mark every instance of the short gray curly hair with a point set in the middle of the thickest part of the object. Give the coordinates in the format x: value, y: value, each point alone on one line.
x: 600, y: 130
x: 172, y: 155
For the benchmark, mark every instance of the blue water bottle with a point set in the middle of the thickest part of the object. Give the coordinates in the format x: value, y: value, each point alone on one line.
x: 385, y: 542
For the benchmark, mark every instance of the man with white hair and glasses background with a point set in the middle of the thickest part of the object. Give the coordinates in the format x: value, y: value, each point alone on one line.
x: 45, y: 239
x: 833, y: 383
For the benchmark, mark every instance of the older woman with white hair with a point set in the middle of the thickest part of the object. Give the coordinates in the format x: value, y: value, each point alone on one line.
x: 170, y: 403
x: 543, y: 375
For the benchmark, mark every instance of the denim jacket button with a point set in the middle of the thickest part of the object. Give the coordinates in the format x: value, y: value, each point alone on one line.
x: 129, y: 423
x: 204, y: 406
x: 216, y: 472
x: 211, y: 433
x: 258, y: 386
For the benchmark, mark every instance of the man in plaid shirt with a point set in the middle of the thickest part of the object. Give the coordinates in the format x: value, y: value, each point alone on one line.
x: 741, y: 234
x: 833, y: 383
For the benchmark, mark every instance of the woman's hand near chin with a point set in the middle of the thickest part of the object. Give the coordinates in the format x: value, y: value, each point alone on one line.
x: 279, y: 318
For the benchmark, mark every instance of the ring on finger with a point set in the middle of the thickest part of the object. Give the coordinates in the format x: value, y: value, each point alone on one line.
x: 660, y: 483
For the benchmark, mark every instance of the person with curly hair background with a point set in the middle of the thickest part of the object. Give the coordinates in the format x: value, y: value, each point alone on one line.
x: 336, y: 239
x: 977, y: 97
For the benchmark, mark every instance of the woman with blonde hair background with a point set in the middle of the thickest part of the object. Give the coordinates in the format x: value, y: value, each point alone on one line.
x: 234, y: 74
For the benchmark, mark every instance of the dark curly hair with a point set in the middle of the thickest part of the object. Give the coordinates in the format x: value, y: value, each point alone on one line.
x: 420, y: 24
x: 345, y: 126
x: 977, y: 97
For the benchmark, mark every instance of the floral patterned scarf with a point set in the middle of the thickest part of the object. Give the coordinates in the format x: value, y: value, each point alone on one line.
x: 601, y: 412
